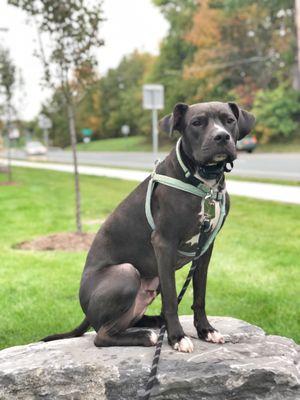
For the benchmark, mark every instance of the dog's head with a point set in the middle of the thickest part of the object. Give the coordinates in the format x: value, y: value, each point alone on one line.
x: 209, y: 130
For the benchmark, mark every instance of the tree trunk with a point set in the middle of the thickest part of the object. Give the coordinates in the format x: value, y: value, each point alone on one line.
x: 296, y: 75
x: 9, y: 172
x: 9, y: 118
x: 72, y: 131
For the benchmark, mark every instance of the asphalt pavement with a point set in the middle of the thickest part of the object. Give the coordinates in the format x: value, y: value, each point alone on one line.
x: 257, y: 165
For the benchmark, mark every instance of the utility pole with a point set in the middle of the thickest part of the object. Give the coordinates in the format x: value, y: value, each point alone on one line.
x: 297, y: 22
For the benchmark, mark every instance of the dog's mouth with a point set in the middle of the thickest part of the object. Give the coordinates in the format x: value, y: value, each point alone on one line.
x: 218, y: 158
x: 214, y: 167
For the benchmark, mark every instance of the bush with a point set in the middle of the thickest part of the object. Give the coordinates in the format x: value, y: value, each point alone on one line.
x: 278, y: 113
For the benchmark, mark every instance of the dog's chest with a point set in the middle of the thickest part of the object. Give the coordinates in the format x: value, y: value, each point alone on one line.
x: 189, y: 244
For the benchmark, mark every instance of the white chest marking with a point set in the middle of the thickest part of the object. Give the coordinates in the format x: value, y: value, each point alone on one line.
x: 194, y: 239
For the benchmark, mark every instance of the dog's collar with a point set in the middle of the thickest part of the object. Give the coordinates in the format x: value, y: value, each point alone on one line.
x: 205, y: 172
x: 185, y: 169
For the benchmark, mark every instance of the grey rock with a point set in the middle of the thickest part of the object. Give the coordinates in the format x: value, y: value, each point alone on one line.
x: 250, y: 365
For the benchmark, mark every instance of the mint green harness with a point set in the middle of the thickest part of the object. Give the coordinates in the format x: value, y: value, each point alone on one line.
x: 202, y: 190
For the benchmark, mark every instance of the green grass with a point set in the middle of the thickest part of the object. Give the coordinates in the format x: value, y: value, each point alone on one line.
x: 141, y: 143
x: 290, y: 147
x: 131, y: 143
x: 254, y: 274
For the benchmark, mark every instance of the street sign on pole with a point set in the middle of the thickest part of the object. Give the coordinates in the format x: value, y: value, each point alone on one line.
x: 125, y: 130
x: 45, y: 124
x: 87, y: 132
x: 13, y: 133
x: 153, y: 99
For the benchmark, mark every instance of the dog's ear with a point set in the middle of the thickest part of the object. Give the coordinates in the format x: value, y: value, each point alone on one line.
x: 174, y: 122
x: 245, y: 120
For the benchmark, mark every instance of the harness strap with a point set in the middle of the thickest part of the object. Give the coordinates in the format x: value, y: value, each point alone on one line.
x: 214, y: 233
x: 148, y: 204
x: 200, y: 192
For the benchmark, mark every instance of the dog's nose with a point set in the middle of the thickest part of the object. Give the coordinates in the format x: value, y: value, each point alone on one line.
x: 222, y: 137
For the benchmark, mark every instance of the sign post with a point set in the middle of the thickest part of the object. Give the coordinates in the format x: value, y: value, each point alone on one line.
x: 153, y: 99
x: 87, y: 134
x: 45, y: 124
x: 125, y: 130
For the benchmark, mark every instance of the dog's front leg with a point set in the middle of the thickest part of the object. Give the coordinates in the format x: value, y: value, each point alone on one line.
x: 204, y: 329
x: 165, y: 251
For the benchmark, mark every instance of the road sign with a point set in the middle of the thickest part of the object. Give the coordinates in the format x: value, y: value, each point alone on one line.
x: 153, y: 97
x: 87, y: 132
x: 13, y: 133
x: 125, y: 130
x: 44, y: 122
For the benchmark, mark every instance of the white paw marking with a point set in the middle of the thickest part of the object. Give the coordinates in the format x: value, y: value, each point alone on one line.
x: 215, y: 337
x: 153, y: 337
x: 185, y: 345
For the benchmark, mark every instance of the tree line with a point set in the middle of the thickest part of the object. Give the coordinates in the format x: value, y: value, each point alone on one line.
x: 238, y: 50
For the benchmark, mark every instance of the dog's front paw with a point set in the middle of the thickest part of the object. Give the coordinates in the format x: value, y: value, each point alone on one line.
x: 215, y: 337
x: 185, y: 345
x: 210, y: 335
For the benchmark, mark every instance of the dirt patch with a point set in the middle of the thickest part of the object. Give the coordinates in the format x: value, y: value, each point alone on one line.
x: 59, y: 241
x: 8, y: 183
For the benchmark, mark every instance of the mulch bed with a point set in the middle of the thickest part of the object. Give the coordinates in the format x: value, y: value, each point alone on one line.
x: 59, y: 241
x: 8, y: 183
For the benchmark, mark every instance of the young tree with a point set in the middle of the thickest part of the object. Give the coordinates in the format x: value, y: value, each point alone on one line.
x: 71, y: 27
x: 7, y: 84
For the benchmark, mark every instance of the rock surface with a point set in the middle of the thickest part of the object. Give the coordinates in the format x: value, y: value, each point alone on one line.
x: 250, y: 365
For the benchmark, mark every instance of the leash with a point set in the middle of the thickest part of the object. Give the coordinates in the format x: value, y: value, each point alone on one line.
x: 204, y: 233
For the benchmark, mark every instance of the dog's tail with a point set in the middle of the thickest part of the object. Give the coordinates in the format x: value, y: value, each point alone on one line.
x: 79, y: 331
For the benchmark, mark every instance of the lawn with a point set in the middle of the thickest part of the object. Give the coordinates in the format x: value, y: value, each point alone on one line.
x: 130, y: 143
x: 140, y: 143
x: 254, y: 274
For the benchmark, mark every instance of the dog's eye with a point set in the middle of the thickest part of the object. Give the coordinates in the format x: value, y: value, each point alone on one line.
x: 199, y: 122
x: 230, y: 120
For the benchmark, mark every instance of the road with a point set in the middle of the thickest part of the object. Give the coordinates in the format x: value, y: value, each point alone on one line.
x: 262, y: 191
x: 261, y: 165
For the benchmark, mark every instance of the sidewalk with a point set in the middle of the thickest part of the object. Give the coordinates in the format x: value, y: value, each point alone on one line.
x: 262, y: 191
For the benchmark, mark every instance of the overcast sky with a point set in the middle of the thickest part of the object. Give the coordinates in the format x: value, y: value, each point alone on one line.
x: 131, y: 24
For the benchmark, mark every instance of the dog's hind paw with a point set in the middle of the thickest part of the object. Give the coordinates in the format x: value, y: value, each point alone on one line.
x: 153, y: 337
x: 215, y: 337
x: 185, y: 345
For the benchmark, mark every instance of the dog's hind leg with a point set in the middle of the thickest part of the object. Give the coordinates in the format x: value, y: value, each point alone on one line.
x: 119, y: 299
x: 130, y: 337
x: 150, y: 321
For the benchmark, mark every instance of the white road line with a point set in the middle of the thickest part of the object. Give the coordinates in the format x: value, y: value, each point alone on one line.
x: 262, y: 191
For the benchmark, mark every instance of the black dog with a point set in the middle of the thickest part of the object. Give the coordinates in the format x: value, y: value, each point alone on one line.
x: 134, y: 256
